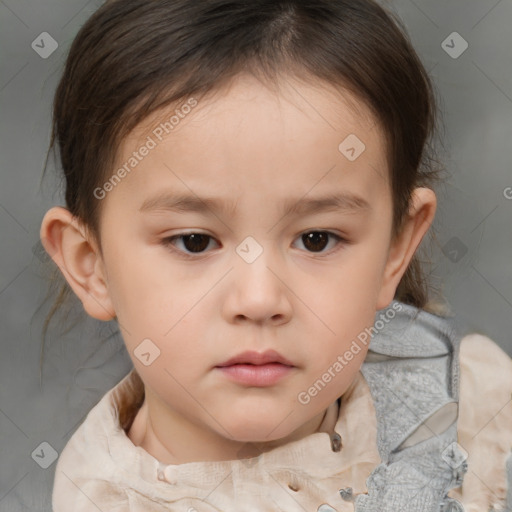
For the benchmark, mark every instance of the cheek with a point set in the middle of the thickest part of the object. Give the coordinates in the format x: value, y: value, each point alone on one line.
x: 139, y: 278
x: 162, y: 309
x: 347, y: 306
x: 348, y: 295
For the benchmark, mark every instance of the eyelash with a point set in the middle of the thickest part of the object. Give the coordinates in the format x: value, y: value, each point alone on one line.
x: 168, y: 242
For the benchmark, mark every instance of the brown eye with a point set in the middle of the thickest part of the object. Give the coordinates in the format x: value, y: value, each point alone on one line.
x: 192, y: 242
x: 317, y: 241
x: 196, y: 242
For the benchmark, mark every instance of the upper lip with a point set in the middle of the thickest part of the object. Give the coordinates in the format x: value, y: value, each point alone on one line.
x: 258, y: 358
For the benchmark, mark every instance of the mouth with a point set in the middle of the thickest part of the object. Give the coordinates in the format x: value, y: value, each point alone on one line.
x: 253, y: 364
x: 257, y: 359
x: 256, y: 369
x: 256, y: 375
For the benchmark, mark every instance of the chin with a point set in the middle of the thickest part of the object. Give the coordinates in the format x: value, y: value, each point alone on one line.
x: 262, y: 431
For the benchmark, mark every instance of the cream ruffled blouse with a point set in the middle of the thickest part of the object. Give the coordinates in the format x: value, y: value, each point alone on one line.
x: 101, y: 469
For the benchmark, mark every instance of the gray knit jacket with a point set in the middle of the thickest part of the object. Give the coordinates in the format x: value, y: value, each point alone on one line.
x: 412, y: 369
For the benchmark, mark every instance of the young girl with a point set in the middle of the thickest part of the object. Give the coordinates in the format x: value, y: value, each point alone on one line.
x: 247, y: 184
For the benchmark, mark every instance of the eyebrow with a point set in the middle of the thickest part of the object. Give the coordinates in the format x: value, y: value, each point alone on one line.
x: 182, y: 203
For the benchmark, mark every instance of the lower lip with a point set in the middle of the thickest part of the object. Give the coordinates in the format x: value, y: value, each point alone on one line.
x: 256, y: 375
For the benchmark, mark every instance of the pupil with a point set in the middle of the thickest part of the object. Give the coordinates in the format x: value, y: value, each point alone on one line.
x: 315, y: 241
x: 199, y: 242
x: 314, y: 238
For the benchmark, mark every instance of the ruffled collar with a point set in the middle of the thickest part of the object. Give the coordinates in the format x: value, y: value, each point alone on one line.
x: 341, y: 453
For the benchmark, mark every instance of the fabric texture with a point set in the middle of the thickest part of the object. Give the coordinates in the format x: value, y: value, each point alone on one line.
x: 413, y: 372
x: 392, y: 443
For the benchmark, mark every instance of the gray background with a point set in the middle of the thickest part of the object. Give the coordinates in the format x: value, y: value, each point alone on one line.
x: 474, y: 215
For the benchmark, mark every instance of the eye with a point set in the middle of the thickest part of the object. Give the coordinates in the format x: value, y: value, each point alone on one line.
x: 197, y: 243
x: 316, y: 241
x: 193, y: 242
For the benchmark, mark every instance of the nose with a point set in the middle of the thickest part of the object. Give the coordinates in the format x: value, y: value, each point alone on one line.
x: 258, y: 290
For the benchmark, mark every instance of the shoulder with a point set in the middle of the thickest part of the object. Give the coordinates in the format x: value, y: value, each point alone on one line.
x: 484, y: 425
x: 478, y: 349
x: 85, y: 474
x: 484, y: 368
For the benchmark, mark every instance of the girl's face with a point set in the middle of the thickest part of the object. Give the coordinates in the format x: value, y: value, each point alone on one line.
x: 292, y: 252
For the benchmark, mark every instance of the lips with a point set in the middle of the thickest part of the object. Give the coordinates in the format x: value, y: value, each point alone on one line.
x: 257, y: 358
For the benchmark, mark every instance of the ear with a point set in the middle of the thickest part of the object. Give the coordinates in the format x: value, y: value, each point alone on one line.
x: 419, y: 218
x: 79, y: 260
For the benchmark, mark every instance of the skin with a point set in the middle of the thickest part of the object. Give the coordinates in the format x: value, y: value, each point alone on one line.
x: 248, y: 145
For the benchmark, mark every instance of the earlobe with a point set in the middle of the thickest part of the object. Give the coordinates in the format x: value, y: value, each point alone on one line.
x: 78, y: 258
x: 417, y: 223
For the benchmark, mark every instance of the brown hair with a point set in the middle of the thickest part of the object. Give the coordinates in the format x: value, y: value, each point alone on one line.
x: 133, y: 57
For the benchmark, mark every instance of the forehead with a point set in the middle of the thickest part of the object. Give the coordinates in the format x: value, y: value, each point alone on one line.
x: 321, y: 105
x: 247, y: 134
